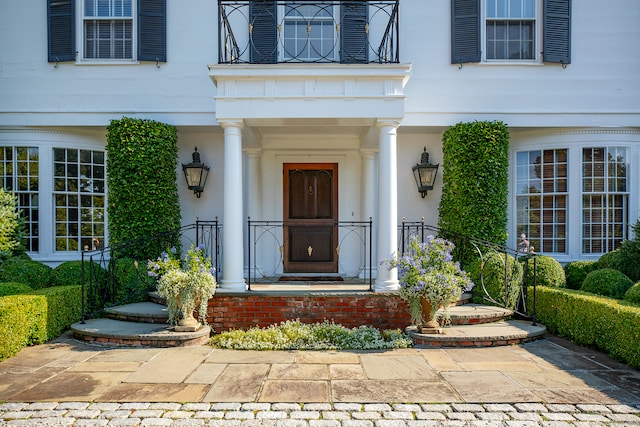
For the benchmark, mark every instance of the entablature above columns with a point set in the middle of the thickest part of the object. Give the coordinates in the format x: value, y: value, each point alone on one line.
x: 277, y: 91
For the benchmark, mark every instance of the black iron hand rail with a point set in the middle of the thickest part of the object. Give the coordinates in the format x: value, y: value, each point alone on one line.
x: 337, y: 31
x: 469, y: 249
x: 271, y: 233
x: 103, y: 282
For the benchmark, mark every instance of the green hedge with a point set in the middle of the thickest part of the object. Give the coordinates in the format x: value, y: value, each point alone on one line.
x: 475, y: 179
x: 36, y: 317
x: 591, y: 321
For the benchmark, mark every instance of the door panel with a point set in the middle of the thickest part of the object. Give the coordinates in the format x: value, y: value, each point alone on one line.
x: 310, y: 217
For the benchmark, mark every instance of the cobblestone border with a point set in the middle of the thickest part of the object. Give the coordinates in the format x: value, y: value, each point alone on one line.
x: 88, y: 414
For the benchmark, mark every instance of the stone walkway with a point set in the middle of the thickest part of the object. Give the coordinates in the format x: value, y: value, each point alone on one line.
x: 547, y: 382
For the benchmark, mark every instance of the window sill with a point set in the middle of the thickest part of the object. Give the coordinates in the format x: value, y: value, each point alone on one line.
x: 512, y: 63
x: 106, y: 62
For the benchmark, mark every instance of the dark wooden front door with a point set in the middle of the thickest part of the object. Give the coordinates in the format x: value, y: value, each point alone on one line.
x: 310, y: 217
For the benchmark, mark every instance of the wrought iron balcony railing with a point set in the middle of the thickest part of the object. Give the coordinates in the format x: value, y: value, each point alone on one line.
x: 303, y: 31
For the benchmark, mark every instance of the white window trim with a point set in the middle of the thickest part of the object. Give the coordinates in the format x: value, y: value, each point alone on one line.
x: 538, y: 39
x: 575, y: 141
x: 80, y: 56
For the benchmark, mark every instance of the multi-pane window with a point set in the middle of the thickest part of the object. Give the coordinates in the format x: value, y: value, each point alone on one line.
x: 510, y: 29
x: 79, y: 194
x: 605, y: 198
x: 309, y: 31
x: 20, y: 174
x: 108, y: 29
x: 541, y: 198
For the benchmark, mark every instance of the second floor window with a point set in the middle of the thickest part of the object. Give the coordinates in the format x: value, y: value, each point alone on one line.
x: 510, y: 29
x: 309, y: 31
x: 108, y: 29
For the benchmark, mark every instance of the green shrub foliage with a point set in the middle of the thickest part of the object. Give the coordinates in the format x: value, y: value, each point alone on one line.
x: 12, y: 231
x: 611, y: 259
x: 70, y: 273
x: 32, y: 273
x: 629, y: 255
x: 633, y: 294
x: 142, y: 157
x: 592, y: 321
x: 548, y: 271
x: 133, y: 281
x: 607, y: 282
x: 576, y: 271
x: 34, y: 318
x: 499, y: 275
x: 9, y: 288
x: 475, y: 183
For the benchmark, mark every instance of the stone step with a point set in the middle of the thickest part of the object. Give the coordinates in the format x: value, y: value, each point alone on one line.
x: 110, y: 332
x: 505, y: 332
x: 144, y: 312
x: 473, y: 314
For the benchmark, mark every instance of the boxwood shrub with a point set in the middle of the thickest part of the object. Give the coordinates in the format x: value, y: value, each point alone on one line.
x: 549, y: 272
x: 607, y: 282
x: 633, y: 294
x: 133, y: 282
x: 576, y: 271
x: 14, y: 289
x: 590, y: 320
x: 501, y: 278
x: 70, y: 273
x: 37, y: 317
x: 32, y: 273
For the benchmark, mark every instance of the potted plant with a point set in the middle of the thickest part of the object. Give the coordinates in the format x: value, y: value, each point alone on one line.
x: 429, y: 280
x: 187, y: 286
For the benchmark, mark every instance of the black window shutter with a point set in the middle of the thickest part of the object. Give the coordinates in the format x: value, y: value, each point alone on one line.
x: 264, y: 34
x: 557, y: 31
x: 465, y: 31
x: 60, y: 30
x: 354, y: 46
x: 152, y: 33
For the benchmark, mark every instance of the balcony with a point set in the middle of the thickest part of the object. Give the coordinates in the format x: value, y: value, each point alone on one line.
x: 344, y: 32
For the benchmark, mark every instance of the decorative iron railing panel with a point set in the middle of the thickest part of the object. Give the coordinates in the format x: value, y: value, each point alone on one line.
x: 353, y: 251
x: 114, y: 275
x: 270, y: 31
x: 470, y: 250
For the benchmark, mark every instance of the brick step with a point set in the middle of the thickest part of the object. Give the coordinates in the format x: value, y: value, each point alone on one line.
x: 505, y: 332
x: 143, y: 312
x: 118, y: 333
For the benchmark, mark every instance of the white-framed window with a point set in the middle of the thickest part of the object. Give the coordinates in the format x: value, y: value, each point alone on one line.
x: 79, y: 199
x: 541, y: 199
x: 108, y: 29
x: 510, y: 29
x: 605, y: 198
x: 96, y: 31
x: 309, y: 32
x: 20, y: 172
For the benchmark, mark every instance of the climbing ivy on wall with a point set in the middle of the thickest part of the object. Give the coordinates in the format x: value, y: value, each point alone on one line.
x: 475, y: 180
x: 142, y: 156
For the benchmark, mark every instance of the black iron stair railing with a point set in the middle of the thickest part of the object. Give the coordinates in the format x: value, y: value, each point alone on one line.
x: 116, y: 275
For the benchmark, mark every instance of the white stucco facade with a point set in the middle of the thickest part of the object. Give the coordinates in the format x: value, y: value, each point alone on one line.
x: 371, y: 119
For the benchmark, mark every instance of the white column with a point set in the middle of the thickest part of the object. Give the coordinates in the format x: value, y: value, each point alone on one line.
x: 387, y: 280
x: 232, y: 223
x: 368, y: 201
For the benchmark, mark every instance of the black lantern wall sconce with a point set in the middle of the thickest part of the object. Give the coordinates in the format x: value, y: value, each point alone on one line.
x: 196, y: 174
x: 425, y: 173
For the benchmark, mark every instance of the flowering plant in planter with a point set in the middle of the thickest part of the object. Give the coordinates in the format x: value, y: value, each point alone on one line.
x: 428, y: 274
x: 187, y: 285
